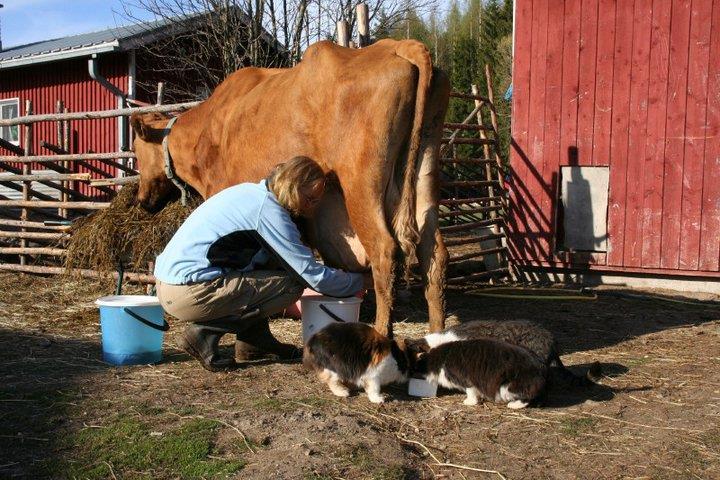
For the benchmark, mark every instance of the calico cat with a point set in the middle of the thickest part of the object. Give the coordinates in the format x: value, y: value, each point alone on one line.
x: 355, y: 355
x: 485, y: 368
x: 522, y: 333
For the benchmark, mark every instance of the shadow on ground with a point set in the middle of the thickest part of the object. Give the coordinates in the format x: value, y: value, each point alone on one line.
x: 40, y: 385
x: 579, y: 325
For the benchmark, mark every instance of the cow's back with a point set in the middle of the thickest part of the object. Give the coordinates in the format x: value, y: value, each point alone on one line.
x: 327, y: 107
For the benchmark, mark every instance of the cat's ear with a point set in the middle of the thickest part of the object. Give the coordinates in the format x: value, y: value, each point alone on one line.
x: 417, y: 345
x: 414, y: 348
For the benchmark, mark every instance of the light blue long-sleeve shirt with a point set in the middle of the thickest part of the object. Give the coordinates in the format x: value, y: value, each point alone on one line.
x: 239, y: 228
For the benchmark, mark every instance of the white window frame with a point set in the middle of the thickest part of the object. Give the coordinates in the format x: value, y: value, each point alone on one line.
x: 10, y: 101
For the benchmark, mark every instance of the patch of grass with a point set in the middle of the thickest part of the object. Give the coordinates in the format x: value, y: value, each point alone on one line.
x: 575, y: 426
x: 149, y: 410
x: 361, y: 457
x: 129, y: 446
x: 636, y: 362
x: 268, y: 404
x: 255, y: 445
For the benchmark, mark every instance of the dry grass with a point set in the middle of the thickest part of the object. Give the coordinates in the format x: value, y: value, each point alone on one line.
x: 124, y: 233
x: 655, y: 416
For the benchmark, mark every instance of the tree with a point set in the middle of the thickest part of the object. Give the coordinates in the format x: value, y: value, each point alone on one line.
x: 472, y: 34
x: 212, y: 38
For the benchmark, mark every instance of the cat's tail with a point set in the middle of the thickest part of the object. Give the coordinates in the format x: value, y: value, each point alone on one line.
x: 590, y: 378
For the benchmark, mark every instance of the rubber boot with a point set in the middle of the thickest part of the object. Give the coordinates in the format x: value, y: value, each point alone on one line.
x: 201, y: 342
x: 258, y: 342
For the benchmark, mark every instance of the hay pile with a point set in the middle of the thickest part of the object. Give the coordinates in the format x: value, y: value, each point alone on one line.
x: 124, y: 232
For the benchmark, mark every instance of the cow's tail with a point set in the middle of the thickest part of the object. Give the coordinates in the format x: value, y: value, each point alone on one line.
x: 404, y: 222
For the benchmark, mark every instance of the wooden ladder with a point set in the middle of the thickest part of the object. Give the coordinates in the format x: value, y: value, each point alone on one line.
x: 473, y: 194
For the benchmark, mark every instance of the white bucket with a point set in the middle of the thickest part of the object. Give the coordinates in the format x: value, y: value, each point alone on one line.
x: 314, y: 318
x: 419, y: 387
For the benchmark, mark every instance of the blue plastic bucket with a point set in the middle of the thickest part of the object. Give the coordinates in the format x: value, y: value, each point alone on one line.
x: 132, y: 329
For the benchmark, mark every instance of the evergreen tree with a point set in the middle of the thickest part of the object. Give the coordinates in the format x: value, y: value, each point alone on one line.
x: 472, y: 34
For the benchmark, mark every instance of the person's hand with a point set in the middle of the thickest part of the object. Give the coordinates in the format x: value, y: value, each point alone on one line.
x: 368, y: 282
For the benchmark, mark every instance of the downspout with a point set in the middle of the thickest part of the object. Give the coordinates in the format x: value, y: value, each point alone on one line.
x: 94, y: 70
x: 132, y: 76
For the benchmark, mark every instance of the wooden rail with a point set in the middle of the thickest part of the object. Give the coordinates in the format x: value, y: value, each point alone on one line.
x: 480, y: 253
x: 472, y: 161
x: 451, y: 242
x: 51, y: 176
x: 130, y: 276
x: 116, y: 181
x: 471, y: 226
x: 120, y: 112
x: 463, y: 201
x: 54, y: 204
x: 498, y: 272
x: 32, y: 251
x: 36, y: 225
x: 67, y: 157
x: 462, y: 141
x: 34, y: 235
x: 470, y: 211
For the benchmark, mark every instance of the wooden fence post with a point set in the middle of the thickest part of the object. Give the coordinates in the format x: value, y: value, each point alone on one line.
x: 59, y: 125
x: 161, y: 90
x: 343, y: 37
x: 498, y: 162
x: 488, y: 168
x: 65, y: 145
x: 486, y: 153
x: 26, y: 171
x: 493, y: 121
x: 363, y: 25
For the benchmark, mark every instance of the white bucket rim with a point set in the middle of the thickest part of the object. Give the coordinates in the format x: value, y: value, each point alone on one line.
x: 128, y: 301
x: 331, y: 300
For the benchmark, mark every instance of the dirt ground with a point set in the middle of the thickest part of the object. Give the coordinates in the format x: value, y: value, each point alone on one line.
x: 66, y: 414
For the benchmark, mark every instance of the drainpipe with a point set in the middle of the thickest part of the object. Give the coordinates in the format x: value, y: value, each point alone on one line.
x: 94, y: 70
x: 132, y: 75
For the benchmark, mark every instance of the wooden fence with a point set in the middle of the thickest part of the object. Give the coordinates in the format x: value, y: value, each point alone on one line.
x: 34, y: 229
x: 473, y: 203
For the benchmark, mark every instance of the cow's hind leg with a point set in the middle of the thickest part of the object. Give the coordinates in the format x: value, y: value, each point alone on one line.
x: 431, y: 252
x: 369, y: 218
x: 433, y: 257
x: 383, y: 270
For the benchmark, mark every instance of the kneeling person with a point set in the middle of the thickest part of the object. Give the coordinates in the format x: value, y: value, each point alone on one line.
x: 214, y: 271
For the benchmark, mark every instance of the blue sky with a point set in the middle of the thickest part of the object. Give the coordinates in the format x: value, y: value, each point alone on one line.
x: 27, y: 21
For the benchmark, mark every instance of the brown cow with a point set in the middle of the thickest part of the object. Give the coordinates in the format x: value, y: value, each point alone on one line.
x: 371, y: 117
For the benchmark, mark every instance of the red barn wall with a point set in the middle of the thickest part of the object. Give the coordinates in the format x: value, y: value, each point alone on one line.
x: 632, y: 85
x: 69, y: 81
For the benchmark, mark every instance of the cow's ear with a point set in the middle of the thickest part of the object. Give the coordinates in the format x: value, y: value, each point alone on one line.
x: 139, y: 126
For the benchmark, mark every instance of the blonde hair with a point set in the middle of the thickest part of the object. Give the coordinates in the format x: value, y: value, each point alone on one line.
x: 288, y: 180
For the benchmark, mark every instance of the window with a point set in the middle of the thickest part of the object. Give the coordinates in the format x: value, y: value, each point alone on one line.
x: 9, y: 109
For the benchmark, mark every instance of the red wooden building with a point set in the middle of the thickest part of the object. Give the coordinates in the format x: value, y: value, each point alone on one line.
x: 615, y: 157
x: 101, y: 70
x: 88, y: 72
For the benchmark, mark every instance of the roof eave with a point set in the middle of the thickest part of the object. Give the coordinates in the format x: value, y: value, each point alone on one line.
x: 61, y: 55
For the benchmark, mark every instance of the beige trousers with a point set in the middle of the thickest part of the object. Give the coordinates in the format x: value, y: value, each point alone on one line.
x: 232, y: 295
